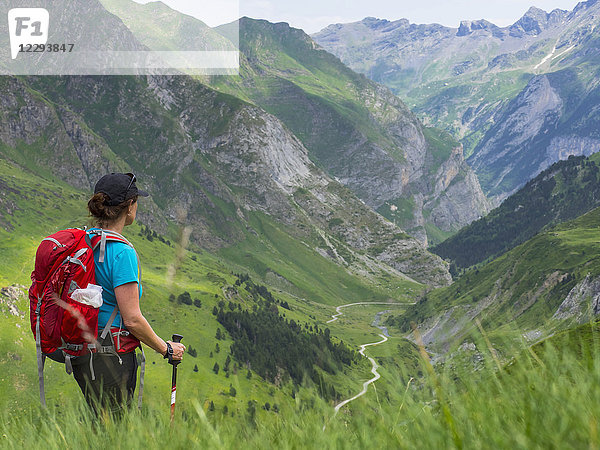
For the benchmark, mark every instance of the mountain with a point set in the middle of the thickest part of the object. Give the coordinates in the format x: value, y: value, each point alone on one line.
x: 517, y: 97
x: 211, y: 161
x: 358, y: 131
x: 548, y: 283
x: 92, y: 28
x: 239, y: 218
x: 248, y: 246
x: 563, y: 192
x: 210, y: 155
x: 162, y: 28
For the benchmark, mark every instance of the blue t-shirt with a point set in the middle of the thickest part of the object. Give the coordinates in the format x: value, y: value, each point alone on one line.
x: 120, y: 267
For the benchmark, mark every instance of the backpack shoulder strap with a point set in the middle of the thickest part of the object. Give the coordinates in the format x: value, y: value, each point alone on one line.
x: 100, y: 237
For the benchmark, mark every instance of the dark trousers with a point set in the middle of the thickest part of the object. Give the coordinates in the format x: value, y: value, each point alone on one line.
x: 114, y: 386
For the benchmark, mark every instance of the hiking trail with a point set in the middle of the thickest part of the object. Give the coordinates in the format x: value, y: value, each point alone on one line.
x: 384, y: 338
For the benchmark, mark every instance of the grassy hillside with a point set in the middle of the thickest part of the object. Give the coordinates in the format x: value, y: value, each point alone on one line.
x: 412, y: 406
x: 548, y: 399
x: 566, y: 190
x: 162, y: 28
x: 515, y: 294
x: 33, y: 207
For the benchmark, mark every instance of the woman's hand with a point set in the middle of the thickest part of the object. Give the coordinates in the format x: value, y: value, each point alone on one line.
x: 178, y: 350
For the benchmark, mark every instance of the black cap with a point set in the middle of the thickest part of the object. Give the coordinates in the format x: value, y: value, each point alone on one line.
x: 119, y: 187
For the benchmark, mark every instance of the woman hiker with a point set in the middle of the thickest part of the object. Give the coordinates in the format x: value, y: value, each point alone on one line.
x: 109, y: 382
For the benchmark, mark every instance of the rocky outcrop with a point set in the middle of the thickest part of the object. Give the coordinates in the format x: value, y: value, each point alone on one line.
x: 561, y: 147
x: 459, y: 199
x: 10, y: 297
x: 583, y: 302
x: 500, y: 155
x: 27, y: 121
x: 468, y: 27
x: 535, y: 21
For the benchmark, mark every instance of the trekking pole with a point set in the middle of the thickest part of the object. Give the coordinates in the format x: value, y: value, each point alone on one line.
x: 176, y: 338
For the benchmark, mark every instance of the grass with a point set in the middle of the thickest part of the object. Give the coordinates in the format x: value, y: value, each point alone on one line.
x: 544, y: 399
x: 311, y: 274
x: 308, y: 286
x: 528, y: 405
x: 400, y: 211
x: 441, y: 145
x: 436, y: 235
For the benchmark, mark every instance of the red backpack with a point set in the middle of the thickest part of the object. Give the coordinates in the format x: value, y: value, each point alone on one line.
x: 64, y: 328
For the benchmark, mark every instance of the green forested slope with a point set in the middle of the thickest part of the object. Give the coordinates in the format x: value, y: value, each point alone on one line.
x: 520, y: 291
x: 566, y: 190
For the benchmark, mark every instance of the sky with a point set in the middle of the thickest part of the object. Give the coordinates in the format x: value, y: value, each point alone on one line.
x: 314, y: 15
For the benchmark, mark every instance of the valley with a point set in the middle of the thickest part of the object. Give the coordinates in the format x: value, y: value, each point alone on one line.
x: 384, y: 234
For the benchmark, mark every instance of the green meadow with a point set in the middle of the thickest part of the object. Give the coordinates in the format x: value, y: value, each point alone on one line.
x: 544, y: 396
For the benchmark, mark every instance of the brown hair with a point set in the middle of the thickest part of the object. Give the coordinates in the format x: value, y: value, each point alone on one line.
x: 102, y: 213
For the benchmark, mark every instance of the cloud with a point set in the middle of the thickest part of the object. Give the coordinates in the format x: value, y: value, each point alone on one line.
x: 211, y: 12
x: 313, y: 15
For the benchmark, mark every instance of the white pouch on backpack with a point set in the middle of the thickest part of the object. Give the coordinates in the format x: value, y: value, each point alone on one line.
x: 91, y: 295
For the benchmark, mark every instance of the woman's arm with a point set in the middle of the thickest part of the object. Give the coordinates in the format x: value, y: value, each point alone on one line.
x: 129, y: 307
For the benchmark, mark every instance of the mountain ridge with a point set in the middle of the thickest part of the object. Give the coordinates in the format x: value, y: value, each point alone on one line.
x: 211, y: 161
x: 359, y: 162
x: 469, y: 84
x: 359, y: 132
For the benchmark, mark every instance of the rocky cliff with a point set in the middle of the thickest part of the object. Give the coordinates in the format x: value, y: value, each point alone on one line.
x: 487, y: 85
x: 583, y: 302
x: 548, y: 121
x: 357, y: 130
x: 197, y: 150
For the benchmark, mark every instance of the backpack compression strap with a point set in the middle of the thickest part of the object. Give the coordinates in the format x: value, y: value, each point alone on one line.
x: 41, y: 358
